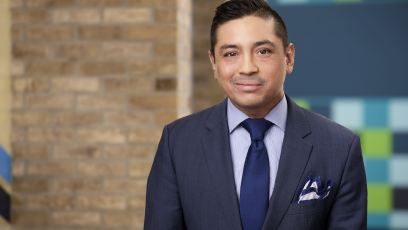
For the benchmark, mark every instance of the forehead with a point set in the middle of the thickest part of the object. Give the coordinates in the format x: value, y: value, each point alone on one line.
x: 246, y: 30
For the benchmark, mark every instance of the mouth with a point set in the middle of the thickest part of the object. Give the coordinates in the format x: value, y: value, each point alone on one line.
x: 248, y: 85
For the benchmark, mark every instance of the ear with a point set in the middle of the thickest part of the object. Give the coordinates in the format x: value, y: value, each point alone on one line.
x: 212, y: 60
x: 290, y: 58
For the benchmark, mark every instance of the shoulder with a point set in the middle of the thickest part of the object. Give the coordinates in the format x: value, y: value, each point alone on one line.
x: 327, y: 130
x: 191, y: 122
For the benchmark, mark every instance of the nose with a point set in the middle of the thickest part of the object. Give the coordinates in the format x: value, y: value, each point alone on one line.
x: 247, y: 66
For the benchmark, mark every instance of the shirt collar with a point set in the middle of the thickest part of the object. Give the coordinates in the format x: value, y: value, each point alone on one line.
x: 277, y: 115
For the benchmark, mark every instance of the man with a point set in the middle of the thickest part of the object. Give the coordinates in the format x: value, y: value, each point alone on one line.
x: 246, y: 162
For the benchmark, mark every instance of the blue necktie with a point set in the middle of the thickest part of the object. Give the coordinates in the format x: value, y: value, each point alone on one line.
x: 254, y: 198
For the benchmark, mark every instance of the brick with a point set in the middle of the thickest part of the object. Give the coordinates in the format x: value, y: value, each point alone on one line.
x: 101, y: 203
x: 31, y: 218
x: 50, y: 34
x: 127, y: 84
x: 102, y: 135
x: 137, y: 203
x: 85, y: 118
x: 18, y: 135
x: 127, y: 118
x: 101, y: 33
x: 50, y: 101
x: 29, y: 185
x: 30, y: 152
x: 17, y: 101
x: 80, y: 152
x: 140, y: 169
x: 54, y: 135
x: 76, y: 51
x: 17, y: 201
x: 128, y: 152
x: 152, y: 101
x: 94, y: 3
x: 30, y: 85
x: 101, y: 169
x: 153, y: 67
x: 30, y: 118
x: 165, y: 49
x: 164, y: 118
x: 152, y: 32
x: 166, y: 84
x: 50, y: 202
x: 102, y: 68
x: 76, y: 84
x: 166, y: 15
x: 16, y: 34
x: 145, y: 135
x: 49, y: 68
x: 153, y: 2
x: 76, y: 16
x: 76, y: 218
x: 50, y: 169
x: 17, y: 68
x: 123, y: 186
x: 127, y: 15
x: 101, y: 101
x: 26, y: 17
x: 124, y: 219
x: 29, y: 51
x: 16, y: 3
x: 126, y: 50
x: 18, y: 168
x: 50, y: 3
x: 77, y: 186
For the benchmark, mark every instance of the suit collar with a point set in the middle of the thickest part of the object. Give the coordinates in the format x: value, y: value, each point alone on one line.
x: 294, y: 157
x: 217, y: 153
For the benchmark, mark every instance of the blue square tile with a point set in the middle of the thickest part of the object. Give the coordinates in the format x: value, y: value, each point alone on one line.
x: 376, y: 113
x: 376, y: 170
x: 5, y: 165
x: 322, y: 110
x: 400, y: 142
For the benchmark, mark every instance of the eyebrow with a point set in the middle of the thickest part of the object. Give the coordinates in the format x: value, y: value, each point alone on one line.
x: 227, y: 46
x: 265, y: 42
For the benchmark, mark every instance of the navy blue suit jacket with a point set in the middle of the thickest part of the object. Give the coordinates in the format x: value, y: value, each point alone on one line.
x: 191, y: 184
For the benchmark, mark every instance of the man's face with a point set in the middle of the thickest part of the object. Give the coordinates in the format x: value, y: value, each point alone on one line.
x: 251, y: 64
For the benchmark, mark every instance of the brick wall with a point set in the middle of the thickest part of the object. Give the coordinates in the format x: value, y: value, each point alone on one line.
x: 206, y: 89
x: 94, y: 82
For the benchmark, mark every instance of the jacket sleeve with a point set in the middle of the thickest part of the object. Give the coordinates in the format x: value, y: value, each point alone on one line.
x: 349, y: 210
x: 163, y: 207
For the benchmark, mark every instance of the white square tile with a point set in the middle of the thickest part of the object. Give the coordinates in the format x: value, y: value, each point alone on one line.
x: 348, y: 112
x: 398, y: 170
x: 398, y: 114
x: 399, y: 220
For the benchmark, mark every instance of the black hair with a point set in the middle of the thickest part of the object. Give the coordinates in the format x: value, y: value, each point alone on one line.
x: 235, y: 9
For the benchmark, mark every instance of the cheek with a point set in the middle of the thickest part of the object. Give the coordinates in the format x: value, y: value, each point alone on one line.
x: 226, y: 71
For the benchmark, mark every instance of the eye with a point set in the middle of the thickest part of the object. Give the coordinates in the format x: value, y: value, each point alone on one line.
x: 230, y: 54
x: 264, y: 51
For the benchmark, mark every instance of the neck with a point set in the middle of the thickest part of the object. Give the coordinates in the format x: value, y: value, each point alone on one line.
x: 261, y: 111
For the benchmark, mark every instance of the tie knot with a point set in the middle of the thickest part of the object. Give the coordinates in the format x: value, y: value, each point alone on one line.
x: 256, y: 127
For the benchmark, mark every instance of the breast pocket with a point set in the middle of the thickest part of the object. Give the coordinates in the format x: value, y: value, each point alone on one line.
x: 304, y: 208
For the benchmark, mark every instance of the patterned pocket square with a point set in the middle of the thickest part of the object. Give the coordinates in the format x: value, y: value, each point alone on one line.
x: 313, y: 190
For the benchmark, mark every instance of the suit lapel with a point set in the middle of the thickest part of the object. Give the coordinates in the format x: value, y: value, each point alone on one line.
x: 217, y: 152
x: 294, y: 157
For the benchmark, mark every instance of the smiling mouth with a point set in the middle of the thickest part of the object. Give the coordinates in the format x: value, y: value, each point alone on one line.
x: 248, y: 86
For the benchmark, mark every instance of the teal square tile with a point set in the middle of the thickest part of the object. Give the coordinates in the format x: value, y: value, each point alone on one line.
x: 378, y: 221
x: 376, y: 113
x: 376, y: 170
